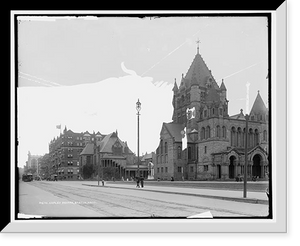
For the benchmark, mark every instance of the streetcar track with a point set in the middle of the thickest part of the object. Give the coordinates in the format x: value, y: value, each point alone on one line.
x: 111, y: 204
x: 128, y: 199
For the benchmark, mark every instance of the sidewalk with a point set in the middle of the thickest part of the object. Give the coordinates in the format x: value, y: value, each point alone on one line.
x: 231, y: 195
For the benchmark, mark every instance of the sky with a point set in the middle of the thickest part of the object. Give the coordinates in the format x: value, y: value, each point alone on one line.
x: 87, y: 73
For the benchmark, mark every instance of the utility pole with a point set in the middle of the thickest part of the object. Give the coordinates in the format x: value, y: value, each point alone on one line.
x: 99, y: 165
x: 246, y: 157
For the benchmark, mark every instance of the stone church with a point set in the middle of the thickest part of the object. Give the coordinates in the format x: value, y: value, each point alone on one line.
x: 215, y: 141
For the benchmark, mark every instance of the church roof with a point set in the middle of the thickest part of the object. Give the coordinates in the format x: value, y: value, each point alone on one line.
x: 175, y: 88
x: 88, y: 149
x: 175, y: 130
x: 239, y: 116
x: 222, y: 86
x: 200, y: 71
x: 259, y: 106
x: 212, y: 95
x: 109, y: 140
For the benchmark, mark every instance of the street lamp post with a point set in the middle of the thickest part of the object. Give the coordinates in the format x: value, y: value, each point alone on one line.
x: 246, y: 156
x: 138, y: 109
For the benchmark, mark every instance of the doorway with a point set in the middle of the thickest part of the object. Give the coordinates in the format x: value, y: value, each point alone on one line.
x: 231, y: 167
x: 219, y: 174
x: 256, y: 168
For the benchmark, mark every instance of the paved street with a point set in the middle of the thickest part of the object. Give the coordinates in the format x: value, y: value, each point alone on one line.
x: 116, y: 199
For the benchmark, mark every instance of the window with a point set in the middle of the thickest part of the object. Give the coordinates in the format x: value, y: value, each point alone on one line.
x: 265, y: 135
x: 162, y: 169
x: 207, y: 135
x: 166, y: 169
x: 205, y: 149
x: 179, y: 169
x: 191, y: 169
x: 205, y: 113
x: 158, y: 170
x: 189, y: 153
x: 213, y: 111
x: 224, y: 132
x: 205, y: 168
x: 233, y: 136
x: 166, y: 147
x: 218, y: 131
x: 202, y: 133
x: 220, y: 111
x: 179, y: 152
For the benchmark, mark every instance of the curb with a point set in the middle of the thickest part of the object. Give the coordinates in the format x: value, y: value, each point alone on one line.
x: 235, y: 199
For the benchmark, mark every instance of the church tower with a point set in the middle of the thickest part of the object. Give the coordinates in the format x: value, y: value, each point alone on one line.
x: 198, y: 89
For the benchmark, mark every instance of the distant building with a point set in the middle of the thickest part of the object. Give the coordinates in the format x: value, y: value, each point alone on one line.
x: 64, y: 154
x: 32, y: 163
x: 110, y: 157
x: 215, y: 140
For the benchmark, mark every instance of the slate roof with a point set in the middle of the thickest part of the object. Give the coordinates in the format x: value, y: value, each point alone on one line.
x: 88, y: 149
x: 108, y: 141
x: 174, y: 130
x: 200, y: 72
x: 239, y: 116
x: 259, y: 106
x: 105, y: 145
x: 212, y: 95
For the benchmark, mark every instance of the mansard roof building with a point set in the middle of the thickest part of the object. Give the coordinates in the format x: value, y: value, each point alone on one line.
x: 215, y: 141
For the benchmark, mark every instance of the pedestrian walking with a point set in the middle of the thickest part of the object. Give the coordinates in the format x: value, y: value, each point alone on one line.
x: 142, y: 182
x: 102, y: 182
x: 137, y: 182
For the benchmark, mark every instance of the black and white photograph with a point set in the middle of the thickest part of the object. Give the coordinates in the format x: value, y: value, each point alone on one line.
x: 144, y: 117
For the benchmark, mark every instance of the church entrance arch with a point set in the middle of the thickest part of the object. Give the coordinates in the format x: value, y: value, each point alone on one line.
x: 256, y: 168
x: 232, y: 160
x: 219, y: 174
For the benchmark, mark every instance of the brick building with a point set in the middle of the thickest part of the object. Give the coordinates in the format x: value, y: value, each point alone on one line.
x: 64, y: 154
x: 215, y: 140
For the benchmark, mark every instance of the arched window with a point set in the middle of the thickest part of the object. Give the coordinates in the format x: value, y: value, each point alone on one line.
x: 239, y: 137
x: 224, y: 132
x: 256, y: 137
x: 161, y: 147
x: 265, y: 135
x: 207, y: 134
x: 220, y: 111
x: 243, y: 138
x: 202, y: 133
x: 166, y: 147
x: 251, y: 138
x: 233, y: 136
x: 179, y: 152
x: 218, y: 133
